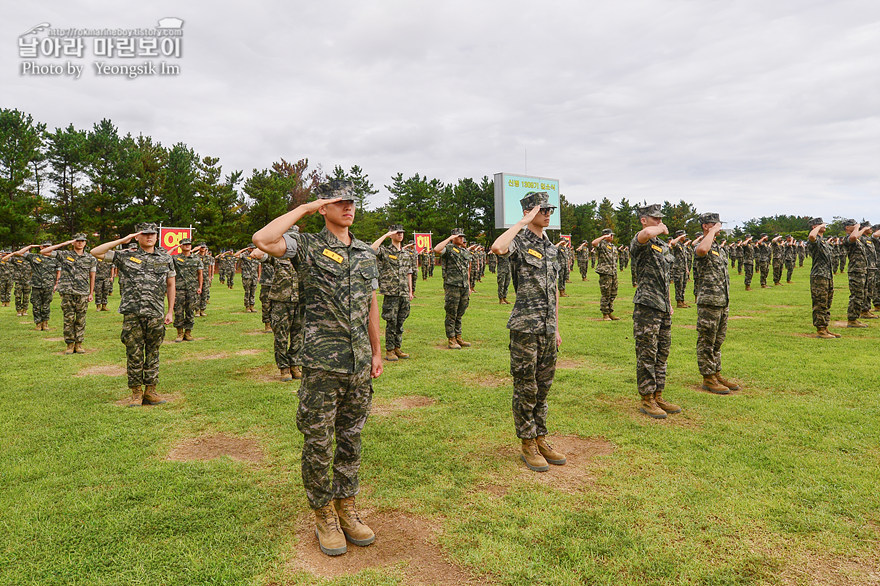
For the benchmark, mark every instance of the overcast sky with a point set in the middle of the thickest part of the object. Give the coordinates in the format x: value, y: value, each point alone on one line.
x: 748, y: 108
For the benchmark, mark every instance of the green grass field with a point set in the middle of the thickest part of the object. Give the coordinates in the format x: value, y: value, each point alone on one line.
x: 773, y: 484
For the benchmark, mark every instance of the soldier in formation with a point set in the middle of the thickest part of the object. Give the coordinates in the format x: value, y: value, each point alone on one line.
x: 606, y: 268
x: 763, y: 254
x: 790, y: 257
x: 250, y: 276
x: 563, y: 246
x: 149, y: 277
x: 341, y: 352
x: 492, y: 262
x: 821, y: 279
x: 44, y: 281
x: 456, y: 263
x: 6, y: 272
x: 583, y: 259
x: 748, y: 261
x: 503, y: 279
x: 857, y: 273
x: 396, y: 276
x: 22, y: 275
x: 104, y: 274
x: 76, y: 285
x: 533, y: 325
x: 777, y: 247
x: 190, y: 275
x: 267, y: 273
x: 227, y: 268
x: 652, y: 312
x: 208, y: 268
x: 679, y: 247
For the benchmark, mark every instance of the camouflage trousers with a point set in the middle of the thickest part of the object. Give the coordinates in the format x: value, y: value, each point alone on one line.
x: 142, y: 337
x: 739, y: 265
x: 858, y: 294
x: 186, y: 301
x: 563, y: 277
x: 230, y: 278
x: 206, y: 294
x: 777, y: 271
x: 842, y: 261
x: 822, y: 292
x: 5, y: 289
x: 764, y: 268
x: 74, y: 308
x: 789, y: 269
x: 414, y: 281
x: 711, y: 331
x: 395, y: 310
x: 608, y: 289
x: 250, y: 291
x: 750, y: 271
x: 533, y: 365
x: 265, y: 303
x: 331, y: 404
x: 679, y: 282
x: 582, y: 267
x: 103, y: 288
x: 875, y: 287
x: 431, y: 270
x: 41, y: 299
x: 652, y: 331
x: 424, y: 272
x: 473, y: 277
x: 503, y: 279
x: 732, y: 262
x: 22, y: 295
x: 286, y: 319
x: 221, y: 272
x: 456, y: 303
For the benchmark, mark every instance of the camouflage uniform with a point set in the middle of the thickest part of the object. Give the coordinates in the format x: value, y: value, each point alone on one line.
x: 227, y: 266
x: 285, y: 312
x: 875, y: 287
x: 425, y: 258
x: 103, y: 282
x: 267, y: 273
x: 205, y: 297
x: 22, y: 275
x: 712, y: 285
x: 74, y: 286
x: 790, y: 258
x: 414, y: 265
x: 801, y: 253
x: 583, y: 260
x: 492, y: 261
x: 606, y: 268
x: 532, y: 326
x: 42, y: 284
x: 679, y: 270
x: 762, y: 252
x: 593, y: 252
x: 6, y: 270
x: 871, y: 254
x: 502, y: 275
x: 821, y: 281
x: 248, y: 279
x: 562, y: 260
x: 857, y: 272
x: 778, y: 259
x: 336, y: 390
x: 748, y: 261
x: 455, y: 261
x: 143, y: 309
x: 186, y: 296
x: 395, y: 269
x: 652, y: 318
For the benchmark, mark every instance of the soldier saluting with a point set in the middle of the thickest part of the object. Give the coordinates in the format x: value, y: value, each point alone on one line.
x: 396, y: 276
x: 76, y: 284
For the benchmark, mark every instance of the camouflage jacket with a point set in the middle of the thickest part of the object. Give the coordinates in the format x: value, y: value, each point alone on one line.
x: 748, y: 253
x: 227, y: 261
x: 534, y: 261
x: 395, y: 267
x: 790, y: 251
x: 248, y: 267
x: 778, y: 251
x: 22, y: 271
x: 870, y: 252
x: 679, y: 252
x: 44, y: 268
x: 339, y: 282
x: 7, y: 267
x: 857, y: 255
x: 652, y: 265
x: 187, y: 269
x: 503, y: 267
x: 455, y: 261
x: 762, y: 252
x: 711, y: 280
x: 820, y: 251
x: 145, y: 275
x: 267, y: 271
x: 208, y: 263
x: 104, y: 270
x: 75, y: 271
x: 606, y: 258
x: 285, y: 284
x: 583, y: 257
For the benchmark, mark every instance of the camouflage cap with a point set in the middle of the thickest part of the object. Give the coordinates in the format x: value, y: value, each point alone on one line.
x: 185, y: 241
x: 202, y: 244
x: 816, y: 221
x: 147, y: 228
x: 764, y: 235
x: 79, y: 236
x: 866, y: 224
x: 536, y: 198
x: 679, y: 233
x: 46, y: 243
x: 875, y: 227
x: 336, y: 188
x: 849, y: 222
x: 607, y: 231
x: 395, y: 228
x: 709, y: 218
x: 651, y: 210
x: 458, y: 232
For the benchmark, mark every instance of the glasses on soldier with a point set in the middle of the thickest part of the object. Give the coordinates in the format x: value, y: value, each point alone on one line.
x: 548, y: 211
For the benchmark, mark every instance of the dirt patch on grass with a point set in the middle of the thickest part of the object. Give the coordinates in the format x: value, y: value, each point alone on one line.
x: 103, y: 370
x: 494, y: 489
x: 579, y: 469
x: 841, y: 324
x: 215, y: 446
x: 485, y: 379
x: 218, y: 356
x: 569, y: 363
x: 686, y: 326
x: 225, y: 323
x: 825, y: 571
x: 249, y: 352
x: 264, y: 374
x: 257, y: 332
x: 404, y: 543
x: 782, y: 306
x: 401, y: 404
x: 53, y: 339
x: 740, y: 317
x: 806, y: 335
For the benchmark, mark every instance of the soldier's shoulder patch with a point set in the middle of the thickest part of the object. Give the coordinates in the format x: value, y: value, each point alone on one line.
x: 535, y: 253
x: 133, y: 259
x: 657, y: 248
x: 715, y: 252
x: 392, y: 256
x: 70, y: 259
x: 332, y: 255
x: 38, y: 259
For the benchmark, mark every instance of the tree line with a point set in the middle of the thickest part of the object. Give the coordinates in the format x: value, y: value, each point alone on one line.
x: 98, y: 181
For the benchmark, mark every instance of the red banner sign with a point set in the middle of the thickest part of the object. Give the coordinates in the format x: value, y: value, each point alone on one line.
x: 169, y: 238
x: 423, y: 242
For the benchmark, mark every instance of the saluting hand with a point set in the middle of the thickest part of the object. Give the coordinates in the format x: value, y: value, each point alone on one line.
x: 313, y: 206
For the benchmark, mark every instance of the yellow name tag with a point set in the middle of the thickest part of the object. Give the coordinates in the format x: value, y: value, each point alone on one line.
x: 133, y: 259
x: 392, y: 256
x: 535, y: 253
x: 657, y: 248
x: 454, y: 249
x: 715, y: 252
x: 609, y: 246
x: 38, y: 260
x: 70, y: 259
x: 330, y: 254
